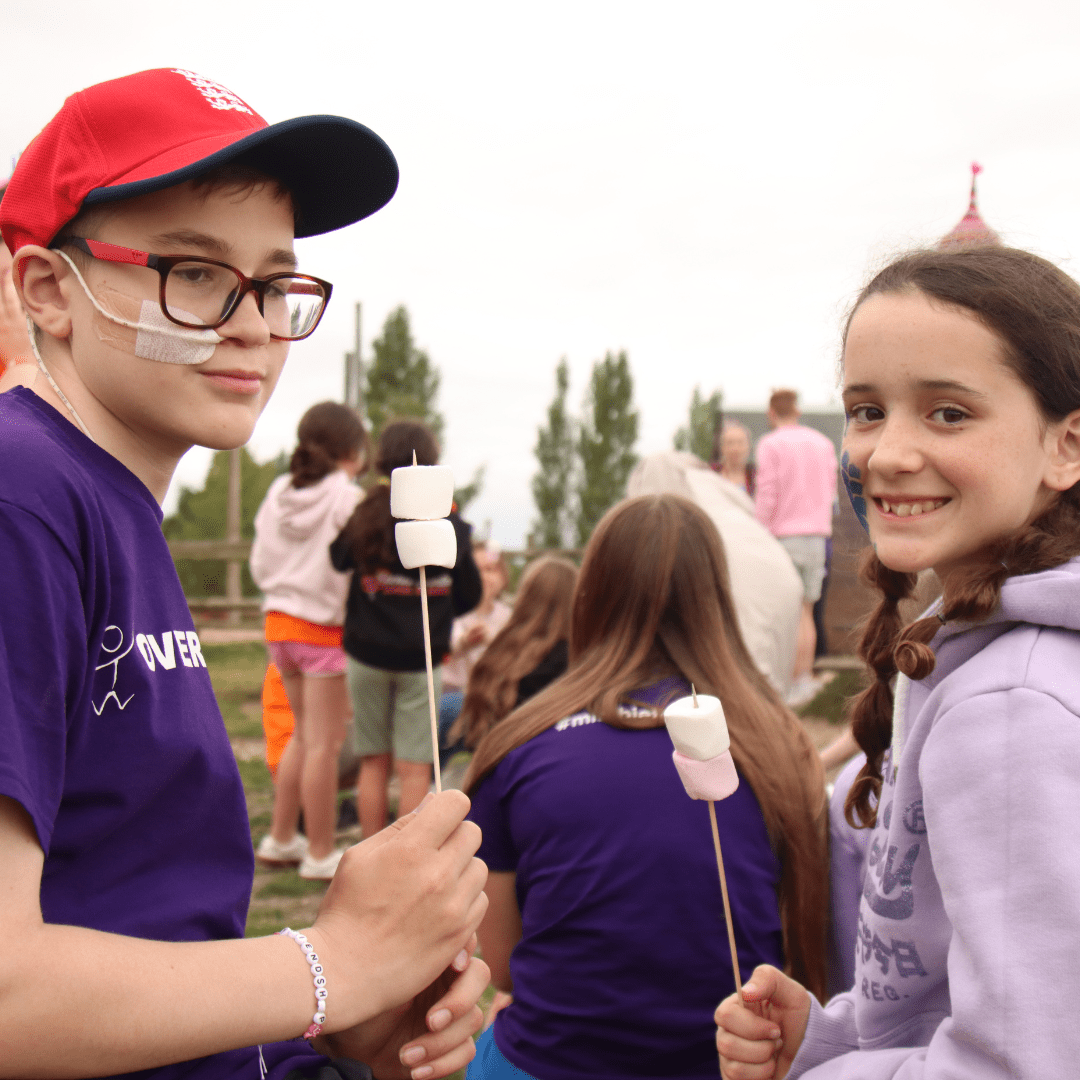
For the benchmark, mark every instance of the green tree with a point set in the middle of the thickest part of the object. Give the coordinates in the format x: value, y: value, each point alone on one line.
x: 200, y: 515
x: 401, y: 379
x: 699, y: 435
x: 555, y: 453
x: 605, y: 441
x: 467, y: 492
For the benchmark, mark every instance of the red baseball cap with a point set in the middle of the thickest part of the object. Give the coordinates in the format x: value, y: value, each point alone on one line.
x: 148, y: 131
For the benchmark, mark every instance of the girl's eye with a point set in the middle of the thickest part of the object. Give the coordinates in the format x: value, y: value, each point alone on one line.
x: 948, y: 414
x: 865, y: 414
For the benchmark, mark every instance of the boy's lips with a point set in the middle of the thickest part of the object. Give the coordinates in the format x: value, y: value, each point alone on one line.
x: 236, y: 380
x: 901, y: 506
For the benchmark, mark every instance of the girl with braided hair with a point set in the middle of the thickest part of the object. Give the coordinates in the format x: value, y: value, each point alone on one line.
x: 962, y: 454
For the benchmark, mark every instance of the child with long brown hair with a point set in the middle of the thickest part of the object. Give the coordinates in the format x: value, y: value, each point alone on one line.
x: 529, y: 652
x: 962, y: 453
x: 605, y: 918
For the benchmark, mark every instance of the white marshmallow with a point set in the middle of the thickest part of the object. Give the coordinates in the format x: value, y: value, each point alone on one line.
x: 421, y: 492
x: 426, y: 543
x: 700, y: 733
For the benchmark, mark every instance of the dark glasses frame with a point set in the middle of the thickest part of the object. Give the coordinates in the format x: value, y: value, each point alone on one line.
x: 163, y: 264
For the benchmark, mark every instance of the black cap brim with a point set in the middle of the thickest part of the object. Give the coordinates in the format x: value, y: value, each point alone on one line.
x: 336, y: 170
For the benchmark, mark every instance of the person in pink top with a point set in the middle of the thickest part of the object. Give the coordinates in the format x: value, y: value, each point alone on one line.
x: 796, y: 489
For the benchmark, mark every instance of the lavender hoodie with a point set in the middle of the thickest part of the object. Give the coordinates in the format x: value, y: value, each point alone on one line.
x: 967, y: 947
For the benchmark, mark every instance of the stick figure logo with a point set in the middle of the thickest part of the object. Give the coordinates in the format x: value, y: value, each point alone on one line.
x: 111, y: 644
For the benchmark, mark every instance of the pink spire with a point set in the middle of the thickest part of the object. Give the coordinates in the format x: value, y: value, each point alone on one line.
x: 971, y: 231
x: 976, y: 168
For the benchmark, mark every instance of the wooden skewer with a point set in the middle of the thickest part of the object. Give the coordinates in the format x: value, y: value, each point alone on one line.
x: 727, y: 903
x: 430, y: 674
x: 723, y: 881
x: 431, y: 681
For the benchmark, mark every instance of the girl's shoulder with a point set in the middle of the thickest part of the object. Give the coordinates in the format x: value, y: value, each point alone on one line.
x: 1037, y: 660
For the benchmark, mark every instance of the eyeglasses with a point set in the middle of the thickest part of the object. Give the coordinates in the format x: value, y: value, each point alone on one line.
x: 203, y: 294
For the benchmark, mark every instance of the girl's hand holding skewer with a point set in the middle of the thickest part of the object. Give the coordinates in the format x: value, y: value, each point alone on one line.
x: 762, y: 1047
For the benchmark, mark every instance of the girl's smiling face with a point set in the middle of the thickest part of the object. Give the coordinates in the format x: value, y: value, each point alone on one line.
x: 948, y: 444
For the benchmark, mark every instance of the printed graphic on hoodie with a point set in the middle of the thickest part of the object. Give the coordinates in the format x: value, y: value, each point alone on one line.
x: 889, y: 894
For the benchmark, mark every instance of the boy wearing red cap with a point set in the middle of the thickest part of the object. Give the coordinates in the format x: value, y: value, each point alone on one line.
x: 151, y: 225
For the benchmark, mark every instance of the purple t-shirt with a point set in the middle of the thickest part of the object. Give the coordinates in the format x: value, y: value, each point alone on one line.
x: 110, y: 735
x: 624, y: 955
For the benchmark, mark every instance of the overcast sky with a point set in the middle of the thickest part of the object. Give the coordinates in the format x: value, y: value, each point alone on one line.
x: 702, y: 184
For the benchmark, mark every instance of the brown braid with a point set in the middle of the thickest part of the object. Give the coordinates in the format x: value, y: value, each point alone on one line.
x: 972, y: 594
x: 871, y: 711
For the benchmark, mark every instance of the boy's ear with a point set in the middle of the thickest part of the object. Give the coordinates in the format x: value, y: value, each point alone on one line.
x: 1063, y: 467
x: 37, y: 273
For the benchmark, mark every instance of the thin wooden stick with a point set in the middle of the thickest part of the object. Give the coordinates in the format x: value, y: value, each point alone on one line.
x: 431, y: 682
x: 430, y: 674
x: 727, y: 904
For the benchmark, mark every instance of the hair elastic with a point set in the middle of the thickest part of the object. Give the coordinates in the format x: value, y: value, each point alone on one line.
x: 319, y: 1018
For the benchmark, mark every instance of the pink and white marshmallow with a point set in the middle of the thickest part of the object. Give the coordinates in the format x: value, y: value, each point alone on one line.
x: 702, y: 755
x: 424, y: 494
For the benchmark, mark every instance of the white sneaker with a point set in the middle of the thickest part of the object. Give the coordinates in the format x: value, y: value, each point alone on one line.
x: 321, y: 869
x: 272, y: 853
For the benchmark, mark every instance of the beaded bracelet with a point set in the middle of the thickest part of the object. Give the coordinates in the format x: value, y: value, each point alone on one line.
x: 319, y: 1018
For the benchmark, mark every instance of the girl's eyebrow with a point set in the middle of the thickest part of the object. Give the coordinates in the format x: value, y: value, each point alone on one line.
x: 937, y: 385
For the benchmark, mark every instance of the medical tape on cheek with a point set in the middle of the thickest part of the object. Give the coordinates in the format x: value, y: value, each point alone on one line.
x: 156, y: 337
x: 159, y: 339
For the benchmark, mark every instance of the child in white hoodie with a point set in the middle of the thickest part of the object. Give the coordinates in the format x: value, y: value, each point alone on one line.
x: 305, y: 607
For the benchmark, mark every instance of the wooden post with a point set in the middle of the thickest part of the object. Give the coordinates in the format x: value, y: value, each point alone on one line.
x: 232, y: 533
x: 354, y: 370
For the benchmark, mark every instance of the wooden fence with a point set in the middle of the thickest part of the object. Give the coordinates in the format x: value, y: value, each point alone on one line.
x: 233, y: 608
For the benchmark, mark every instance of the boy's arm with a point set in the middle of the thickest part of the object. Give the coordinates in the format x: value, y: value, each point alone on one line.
x: 76, y: 1002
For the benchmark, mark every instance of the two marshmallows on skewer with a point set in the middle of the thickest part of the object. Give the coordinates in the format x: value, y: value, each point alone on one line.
x: 702, y: 754
x: 424, y: 494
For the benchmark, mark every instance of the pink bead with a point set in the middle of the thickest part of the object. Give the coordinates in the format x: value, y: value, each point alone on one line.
x: 713, y: 779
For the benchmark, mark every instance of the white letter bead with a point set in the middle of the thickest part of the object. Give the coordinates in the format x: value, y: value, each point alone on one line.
x: 319, y: 1018
x: 321, y: 993
x: 316, y: 969
x: 700, y: 733
x: 426, y: 543
x: 320, y: 980
x: 421, y: 492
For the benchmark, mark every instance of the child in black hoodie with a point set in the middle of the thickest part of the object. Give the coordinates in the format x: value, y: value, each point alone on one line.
x: 383, y: 636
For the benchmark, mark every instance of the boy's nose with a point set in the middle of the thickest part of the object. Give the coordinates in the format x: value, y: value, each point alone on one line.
x: 246, y: 325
